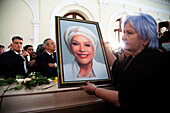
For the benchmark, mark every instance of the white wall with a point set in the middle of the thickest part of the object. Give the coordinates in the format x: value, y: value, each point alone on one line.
x: 35, y: 18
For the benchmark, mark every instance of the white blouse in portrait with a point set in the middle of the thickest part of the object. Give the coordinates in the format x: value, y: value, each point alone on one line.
x: 71, y: 72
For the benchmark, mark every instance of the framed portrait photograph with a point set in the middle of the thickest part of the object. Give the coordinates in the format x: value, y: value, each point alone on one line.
x: 80, y: 53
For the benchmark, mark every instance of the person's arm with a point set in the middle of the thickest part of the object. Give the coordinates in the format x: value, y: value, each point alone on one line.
x: 54, y: 65
x: 32, y: 63
x: 110, y: 56
x: 43, y: 66
x: 108, y: 95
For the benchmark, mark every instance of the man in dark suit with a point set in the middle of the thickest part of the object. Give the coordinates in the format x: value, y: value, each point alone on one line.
x: 30, y: 60
x: 46, y: 62
x: 13, y: 63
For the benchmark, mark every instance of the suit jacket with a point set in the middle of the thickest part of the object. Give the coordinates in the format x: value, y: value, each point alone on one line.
x: 11, y: 64
x: 42, y: 64
x: 31, y: 68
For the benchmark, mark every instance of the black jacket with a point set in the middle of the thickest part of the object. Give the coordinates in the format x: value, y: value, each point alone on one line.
x: 143, y: 83
x: 42, y: 64
x: 11, y: 64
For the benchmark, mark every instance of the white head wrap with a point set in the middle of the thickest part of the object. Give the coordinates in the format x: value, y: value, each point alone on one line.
x: 78, y: 30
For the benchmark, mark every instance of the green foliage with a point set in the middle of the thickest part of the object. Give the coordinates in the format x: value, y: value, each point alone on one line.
x: 19, y: 87
x: 10, y: 80
x: 19, y: 77
x: 5, y: 82
x: 2, y: 83
x: 32, y: 80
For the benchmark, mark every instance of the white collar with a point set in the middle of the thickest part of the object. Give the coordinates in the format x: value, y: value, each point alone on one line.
x: 49, y: 53
x: 17, y: 52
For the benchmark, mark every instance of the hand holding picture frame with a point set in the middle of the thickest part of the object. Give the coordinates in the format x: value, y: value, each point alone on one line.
x: 81, y: 54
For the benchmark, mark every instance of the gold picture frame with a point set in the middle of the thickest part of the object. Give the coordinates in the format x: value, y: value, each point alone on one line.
x: 93, y: 56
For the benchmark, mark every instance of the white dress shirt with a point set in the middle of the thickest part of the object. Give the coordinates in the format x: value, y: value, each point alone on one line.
x: 24, y: 62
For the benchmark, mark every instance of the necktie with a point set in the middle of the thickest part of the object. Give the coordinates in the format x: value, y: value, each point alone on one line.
x: 52, y: 56
x: 25, y: 67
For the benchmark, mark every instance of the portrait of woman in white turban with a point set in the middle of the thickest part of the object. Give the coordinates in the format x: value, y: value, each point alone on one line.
x: 82, y: 44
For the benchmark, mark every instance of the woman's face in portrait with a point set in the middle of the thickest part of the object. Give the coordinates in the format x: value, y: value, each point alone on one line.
x: 82, y: 49
x: 131, y: 39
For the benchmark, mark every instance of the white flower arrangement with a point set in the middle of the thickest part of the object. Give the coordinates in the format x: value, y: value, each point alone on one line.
x: 27, y: 79
x: 20, y: 81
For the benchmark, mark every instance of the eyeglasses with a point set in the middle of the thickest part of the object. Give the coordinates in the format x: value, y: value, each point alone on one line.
x: 30, y: 49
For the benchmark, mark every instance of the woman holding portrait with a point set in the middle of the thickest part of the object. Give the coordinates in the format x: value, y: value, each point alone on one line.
x: 142, y: 78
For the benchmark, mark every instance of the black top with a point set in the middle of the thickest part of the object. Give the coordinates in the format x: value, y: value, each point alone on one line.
x: 30, y: 68
x: 42, y: 64
x: 143, y: 82
x: 11, y: 64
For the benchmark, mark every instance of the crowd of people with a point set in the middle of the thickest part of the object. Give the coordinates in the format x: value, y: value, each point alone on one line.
x: 140, y: 72
x: 19, y: 60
